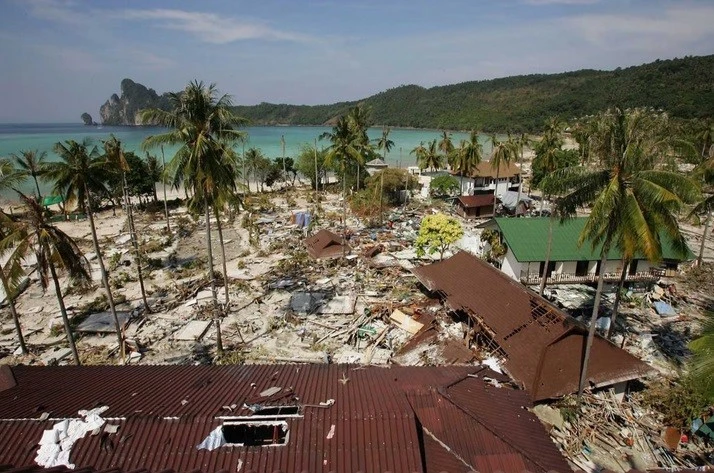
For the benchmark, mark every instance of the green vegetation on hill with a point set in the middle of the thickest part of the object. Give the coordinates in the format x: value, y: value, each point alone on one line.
x: 683, y: 87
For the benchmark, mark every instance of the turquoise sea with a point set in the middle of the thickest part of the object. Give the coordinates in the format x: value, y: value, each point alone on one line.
x: 42, y: 137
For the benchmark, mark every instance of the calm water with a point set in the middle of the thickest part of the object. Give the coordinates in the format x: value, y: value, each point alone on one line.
x: 42, y: 137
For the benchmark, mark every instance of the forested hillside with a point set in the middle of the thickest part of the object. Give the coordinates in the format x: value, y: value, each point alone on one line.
x: 684, y: 87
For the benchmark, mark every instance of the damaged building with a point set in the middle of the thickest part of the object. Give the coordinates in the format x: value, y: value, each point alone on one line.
x: 267, y: 418
x: 541, y: 346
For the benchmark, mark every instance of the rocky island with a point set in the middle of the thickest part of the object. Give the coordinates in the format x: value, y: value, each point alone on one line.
x: 124, y: 109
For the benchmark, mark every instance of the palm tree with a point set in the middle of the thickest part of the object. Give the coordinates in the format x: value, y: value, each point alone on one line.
x: 345, y: 147
x: 358, y: 119
x: 11, y: 273
x: 114, y: 158
x: 633, y: 201
x: 705, y: 136
x: 53, y: 250
x: 203, y: 125
x: 253, y: 161
x: 468, y: 156
x: 156, y: 171
x: 81, y: 171
x: 503, y: 153
x: 428, y: 157
x: 446, y: 146
x: 31, y: 164
x: 384, y: 143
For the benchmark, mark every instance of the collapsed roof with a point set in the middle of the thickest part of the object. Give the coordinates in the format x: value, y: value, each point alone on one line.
x: 345, y: 418
x: 325, y: 244
x: 543, y: 347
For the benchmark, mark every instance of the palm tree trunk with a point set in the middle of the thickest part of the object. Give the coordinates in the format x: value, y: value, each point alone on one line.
x: 163, y: 182
x: 217, y: 319
x: 223, y: 254
x: 593, y: 323
x: 461, y: 189
x: 63, y: 309
x: 618, y: 296
x: 700, y: 259
x: 39, y: 194
x: 103, y: 272
x: 135, y: 243
x: 544, y: 275
x: 495, y: 191
x: 13, y: 311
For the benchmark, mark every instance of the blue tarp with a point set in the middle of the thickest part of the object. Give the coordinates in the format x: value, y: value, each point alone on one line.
x: 664, y: 309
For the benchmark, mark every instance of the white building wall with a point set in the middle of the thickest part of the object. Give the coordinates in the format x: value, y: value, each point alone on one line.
x: 566, y: 267
x: 511, y: 266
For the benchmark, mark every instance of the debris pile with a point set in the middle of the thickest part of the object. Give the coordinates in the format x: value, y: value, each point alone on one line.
x: 605, y: 432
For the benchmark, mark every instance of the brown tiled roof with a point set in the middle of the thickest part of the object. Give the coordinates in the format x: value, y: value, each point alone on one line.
x: 479, y: 200
x: 325, y: 244
x: 542, y: 344
x: 379, y: 418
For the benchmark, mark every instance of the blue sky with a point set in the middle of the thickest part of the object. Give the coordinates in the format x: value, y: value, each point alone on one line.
x: 60, y: 58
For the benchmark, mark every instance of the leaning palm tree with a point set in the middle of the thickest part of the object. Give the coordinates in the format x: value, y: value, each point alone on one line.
x: 54, y: 250
x: 80, y: 172
x: 203, y: 125
x: 468, y: 156
x: 31, y: 164
x: 634, y: 202
x: 503, y: 153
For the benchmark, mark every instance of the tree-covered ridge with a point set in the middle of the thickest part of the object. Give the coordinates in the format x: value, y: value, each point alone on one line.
x: 683, y: 87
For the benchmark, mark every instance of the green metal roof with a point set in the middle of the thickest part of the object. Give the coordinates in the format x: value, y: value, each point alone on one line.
x: 528, y: 239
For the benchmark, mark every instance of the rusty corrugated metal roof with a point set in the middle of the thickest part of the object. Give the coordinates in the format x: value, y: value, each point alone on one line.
x: 325, y: 244
x: 164, y: 412
x: 478, y: 200
x: 542, y: 344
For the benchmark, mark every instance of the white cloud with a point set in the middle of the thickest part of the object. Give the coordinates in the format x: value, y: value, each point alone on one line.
x: 212, y: 28
x: 673, y: 27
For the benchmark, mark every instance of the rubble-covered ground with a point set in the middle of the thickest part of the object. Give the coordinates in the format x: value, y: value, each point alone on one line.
x: 285, y: 306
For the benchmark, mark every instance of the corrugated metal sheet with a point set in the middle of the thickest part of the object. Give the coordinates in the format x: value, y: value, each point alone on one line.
x: 480, y: 200
x: 325, y: 244
x: 163, y: 412
x: 542, y: 344
x: 528, y: 240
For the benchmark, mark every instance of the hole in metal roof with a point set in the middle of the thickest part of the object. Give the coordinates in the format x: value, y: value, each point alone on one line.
x: 255, y: 434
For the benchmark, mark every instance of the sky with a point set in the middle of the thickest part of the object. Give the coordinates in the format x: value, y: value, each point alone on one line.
x: 60, y: 58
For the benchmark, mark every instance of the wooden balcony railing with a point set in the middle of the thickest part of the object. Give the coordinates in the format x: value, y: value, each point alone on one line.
x: 571, y: 278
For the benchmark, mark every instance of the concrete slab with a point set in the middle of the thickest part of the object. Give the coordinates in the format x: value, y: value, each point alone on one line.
x: 55, y: 356
x: 341, y: 305
x: 193, y: 331
x: 103, y: 322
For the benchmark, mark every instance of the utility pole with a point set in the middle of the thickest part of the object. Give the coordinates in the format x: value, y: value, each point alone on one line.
x: 245, y: 176
x: 285, y: 174
x: 317, y: 187
x: 163, y: 179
